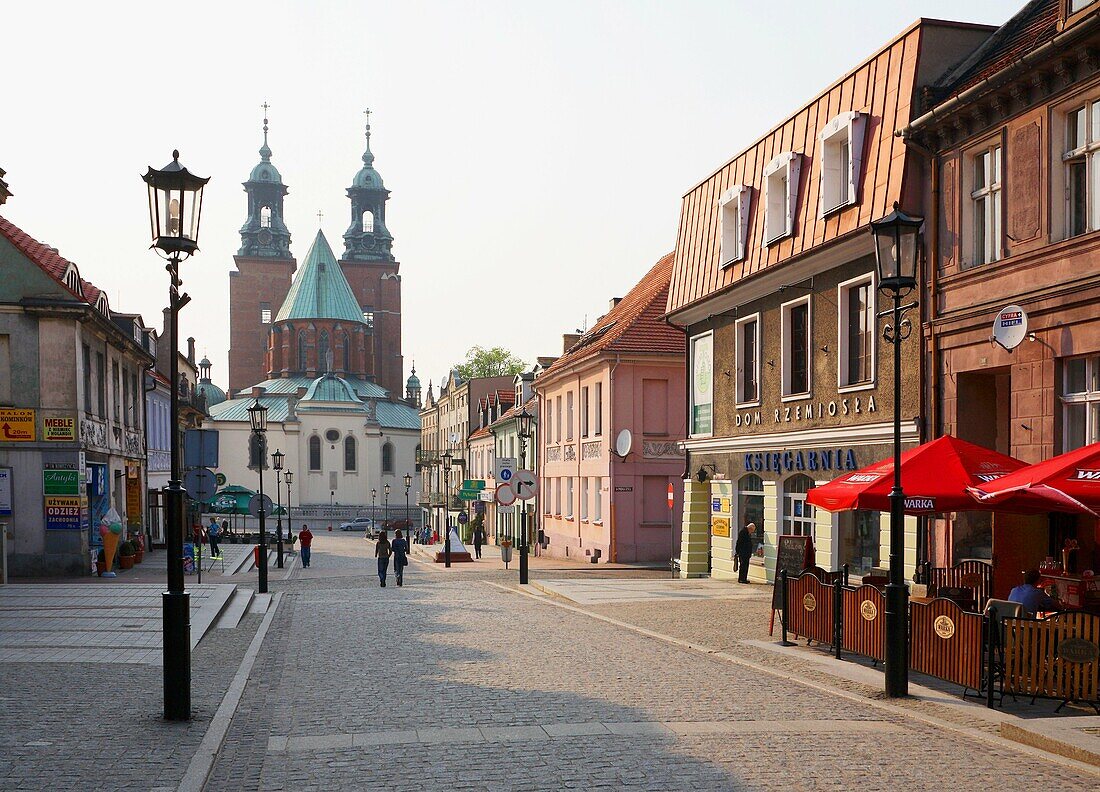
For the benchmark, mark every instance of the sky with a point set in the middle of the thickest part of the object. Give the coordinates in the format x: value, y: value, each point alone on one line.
x: 536, y: 152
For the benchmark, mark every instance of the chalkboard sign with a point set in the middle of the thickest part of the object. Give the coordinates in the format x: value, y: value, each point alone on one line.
x: 795, y: 554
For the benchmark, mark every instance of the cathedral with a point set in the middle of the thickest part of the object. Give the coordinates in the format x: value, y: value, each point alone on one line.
x: 320, y: 346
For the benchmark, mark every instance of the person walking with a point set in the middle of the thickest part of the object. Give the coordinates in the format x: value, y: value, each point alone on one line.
x: 305, y: 540
x: 400, y: 549
x: 214, y: 533
x: 743, y: 551
x: 479, y: 539
x: 382, y: 550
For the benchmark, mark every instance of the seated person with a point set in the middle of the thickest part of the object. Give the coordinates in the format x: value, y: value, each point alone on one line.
x: 1033, y: 598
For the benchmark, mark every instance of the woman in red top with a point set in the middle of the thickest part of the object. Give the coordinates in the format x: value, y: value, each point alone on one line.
x: 305, y: 537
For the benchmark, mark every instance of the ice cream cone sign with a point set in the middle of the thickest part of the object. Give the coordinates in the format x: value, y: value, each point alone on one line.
x: 110, y: 528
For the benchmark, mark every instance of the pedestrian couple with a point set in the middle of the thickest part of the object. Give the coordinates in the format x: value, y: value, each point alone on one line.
x: 398, y: 548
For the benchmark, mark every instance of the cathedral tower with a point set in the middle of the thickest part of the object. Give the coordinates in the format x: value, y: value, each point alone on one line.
x: 264, y: 268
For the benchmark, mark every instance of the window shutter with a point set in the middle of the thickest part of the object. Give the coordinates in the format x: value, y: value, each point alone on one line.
x: 855, y: 155
x: 794, y: 169
x: 743, y: 200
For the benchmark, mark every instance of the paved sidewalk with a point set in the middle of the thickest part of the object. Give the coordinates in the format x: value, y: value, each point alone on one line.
x: 607, y: 591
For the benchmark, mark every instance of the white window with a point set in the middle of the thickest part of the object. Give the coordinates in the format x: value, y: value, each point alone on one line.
x: 734, y: 218
x: 584, y: 498
x: 856, y: 332
x: 841, y: 157
x: 599, y: 409
x: 1080, y: 402
x: 748, y: 360
x: 569, y: 497
x: 702, y: 384
x: 1082, y: 169
x: 557, y: 497
x: 72, y: 280
x: 986, y: 201
x: 780, y: 196
x: 265, y: 313
x: 1078, y: 5
x: 558, y: 422
x: 585, y: 411
x: 798, y: 515
x: 597, y: 499
x: 796, y: 348
x: 569, y: 415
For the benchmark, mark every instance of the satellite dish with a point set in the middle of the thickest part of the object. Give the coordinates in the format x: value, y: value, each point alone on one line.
x: 623, y: 442
x: 1010, y: 327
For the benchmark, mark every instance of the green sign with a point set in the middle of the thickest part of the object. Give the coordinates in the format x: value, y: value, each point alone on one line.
x: 469, y: 494
x: 60, y: 482
x: 473, y: 484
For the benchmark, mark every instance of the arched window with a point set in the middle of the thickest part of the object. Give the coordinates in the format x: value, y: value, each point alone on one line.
x: 750, y: 509
x: 322, y: 351
x: 315, y: 453
x: 387, y: 458
x: 302, y: 350
x: 368, y: 222
x: 265, y: 217
x: 798, y: 515
x: 349, y: 454
x: 347, y: 352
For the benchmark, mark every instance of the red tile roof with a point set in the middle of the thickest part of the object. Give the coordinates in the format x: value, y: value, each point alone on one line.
x: 635, y: 326
x: 47, y: 258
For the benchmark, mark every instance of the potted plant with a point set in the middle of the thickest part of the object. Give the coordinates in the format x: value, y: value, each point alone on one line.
x: 126, y: 555
x: 139, y: 548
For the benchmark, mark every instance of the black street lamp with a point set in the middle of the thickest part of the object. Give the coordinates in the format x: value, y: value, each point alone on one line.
x: 448, y: 457
x: 257, y: 416
x: 373, y: 512
x: 277, y: 464
x: 408, y: 486
x: 897, y: 251
x: 386, y: 503
x: 287, y: 476
x: 175, y: 207
x: 523, y: 424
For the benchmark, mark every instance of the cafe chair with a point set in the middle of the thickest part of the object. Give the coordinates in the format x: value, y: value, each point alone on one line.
x: 996, y: 611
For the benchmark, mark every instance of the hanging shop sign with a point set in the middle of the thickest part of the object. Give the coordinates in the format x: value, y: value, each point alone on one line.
x: 59, y: 429
x: 787, y: 461
x: 16, y: 425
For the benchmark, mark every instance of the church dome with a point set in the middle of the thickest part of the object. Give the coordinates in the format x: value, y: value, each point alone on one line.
x: 368, y: 178
x: 413, y: 382
x: 330, y: 388
x: 266, y: 172
x: 211, y: 392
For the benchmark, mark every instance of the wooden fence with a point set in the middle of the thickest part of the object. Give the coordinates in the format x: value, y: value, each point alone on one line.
x: 1054, y: 657
x: 810, y: 607
x: 976, y: 576
x: 863, y: 626
x: 947, y: 642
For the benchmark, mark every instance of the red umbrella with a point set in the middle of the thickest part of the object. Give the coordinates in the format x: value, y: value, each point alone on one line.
x: 934, y: 476
x: 1066, y: 483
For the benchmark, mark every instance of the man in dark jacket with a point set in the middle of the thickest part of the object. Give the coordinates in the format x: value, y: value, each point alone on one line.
x: 743, y: 551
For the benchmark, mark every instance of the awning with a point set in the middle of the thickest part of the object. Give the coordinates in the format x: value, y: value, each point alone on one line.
x: 1066, y: 483
x: 934, y: 476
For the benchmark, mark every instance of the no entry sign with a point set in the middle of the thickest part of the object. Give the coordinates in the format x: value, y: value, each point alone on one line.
x: 671, y: 498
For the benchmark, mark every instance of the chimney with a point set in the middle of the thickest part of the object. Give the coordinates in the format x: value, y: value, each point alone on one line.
x: 568, y: 340
x: 614, y: 301
x: 191, y: 351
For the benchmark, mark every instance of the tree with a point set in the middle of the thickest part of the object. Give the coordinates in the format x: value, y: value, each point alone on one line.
x: 495, y: 362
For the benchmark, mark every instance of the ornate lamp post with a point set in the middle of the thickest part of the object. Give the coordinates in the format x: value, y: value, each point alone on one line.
x: 288, y: 475
x: 448, y: 457
x: 523, y: 424
x: 373, y: 512
x: 257, y: 416
x: 175, y: 207
x: 408, y: 485
x: 897, y: 251
x: 386, y: 503
x: 277, y: 464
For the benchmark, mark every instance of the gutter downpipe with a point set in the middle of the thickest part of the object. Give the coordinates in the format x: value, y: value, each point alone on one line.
x: 613, y: 553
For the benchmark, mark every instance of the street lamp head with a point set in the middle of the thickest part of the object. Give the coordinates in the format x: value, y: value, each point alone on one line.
x: 373, y: 493
x: 448, y: 457
x: 408, y: 480
x: 277, y: 460
x: 523, y: 420
x: 175, y: 207
x: 896, y: 250
x: 288, y: 476
x: 701, y: 475
x: 386, y: 489
x: 257, y: 416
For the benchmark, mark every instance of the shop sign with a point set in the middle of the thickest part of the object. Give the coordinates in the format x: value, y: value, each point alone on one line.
x: 810, y: 411
x: 1077, y: 650
x: 473, y: 484
x: 809, y: 602
x: 5, y: 492
x: 944, y: 627
x: 60, y: 482
x: 63, y: 513
x: 624, y: 489
x: 702, y: 382
x: 16, y: 425
x: 59, y: 429
x: 133, y: 500
x: 721, y: 506
x: 720, y: 526
x: 787, y: 461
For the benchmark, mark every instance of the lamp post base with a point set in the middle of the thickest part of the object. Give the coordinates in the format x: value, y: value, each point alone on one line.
x: 897, y: 641
x: 176, y: 607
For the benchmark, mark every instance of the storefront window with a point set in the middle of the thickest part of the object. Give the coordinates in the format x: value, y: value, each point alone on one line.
x: 973, y: 536
x: 798, y: 515
x: 750, y: 509
x: 1081, y: 402
x: 859, y: 540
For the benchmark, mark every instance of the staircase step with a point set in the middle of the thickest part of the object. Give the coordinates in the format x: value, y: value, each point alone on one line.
x: 233, y: 614
x: 260, y: 604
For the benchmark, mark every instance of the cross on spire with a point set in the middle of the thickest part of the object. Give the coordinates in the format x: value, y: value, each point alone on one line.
x: 265, y: 152
x: 367, y: 114
x: 320, y: 215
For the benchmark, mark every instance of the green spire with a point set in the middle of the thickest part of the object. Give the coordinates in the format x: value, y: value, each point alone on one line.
x: 320, y: 290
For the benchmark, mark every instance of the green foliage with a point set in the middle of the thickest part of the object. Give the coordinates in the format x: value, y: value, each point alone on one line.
x: 127, y: 548
x: 495, y: 362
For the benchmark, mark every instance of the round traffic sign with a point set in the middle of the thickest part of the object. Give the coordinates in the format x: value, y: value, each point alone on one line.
x: 506, y: 474
x: 525, y: 484
x: 463, y: 518
x: 506, y: 496
x: 201, y: 484
x: 255, y: 504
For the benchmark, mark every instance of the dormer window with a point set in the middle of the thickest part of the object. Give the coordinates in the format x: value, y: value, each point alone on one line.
x: 780, y: 196
x: 72, y: 279
x: 734, y: 208
x: 101, y: 305
x: 841, y: 157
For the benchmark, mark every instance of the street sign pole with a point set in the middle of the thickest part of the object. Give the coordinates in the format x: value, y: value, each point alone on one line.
x: 671, y: 531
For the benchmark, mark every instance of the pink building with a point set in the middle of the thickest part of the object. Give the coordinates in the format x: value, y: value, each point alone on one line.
x: 626, y: 373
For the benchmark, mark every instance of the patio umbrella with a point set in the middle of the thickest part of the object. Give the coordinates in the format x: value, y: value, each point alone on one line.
x: 232, y: 500
x: 934, y: 476
x: 1066, y: 483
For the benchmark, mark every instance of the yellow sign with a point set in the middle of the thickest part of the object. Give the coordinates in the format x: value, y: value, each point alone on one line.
x: 59, y: 429
x: 944, y: 626
x: 720, y: 526
x: 868, y: 610
x: 16, y: 426
x: 809, y: 602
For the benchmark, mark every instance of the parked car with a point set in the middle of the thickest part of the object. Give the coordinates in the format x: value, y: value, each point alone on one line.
x: 359, y: 524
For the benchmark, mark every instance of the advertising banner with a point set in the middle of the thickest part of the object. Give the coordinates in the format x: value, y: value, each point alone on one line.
x: 16, y: 425
x: 59, y: 429
x: 60, y: 482
x: 702, y: 384
x: 63, y: 512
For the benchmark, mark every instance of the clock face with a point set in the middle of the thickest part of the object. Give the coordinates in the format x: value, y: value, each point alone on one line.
x: 264, y: 237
